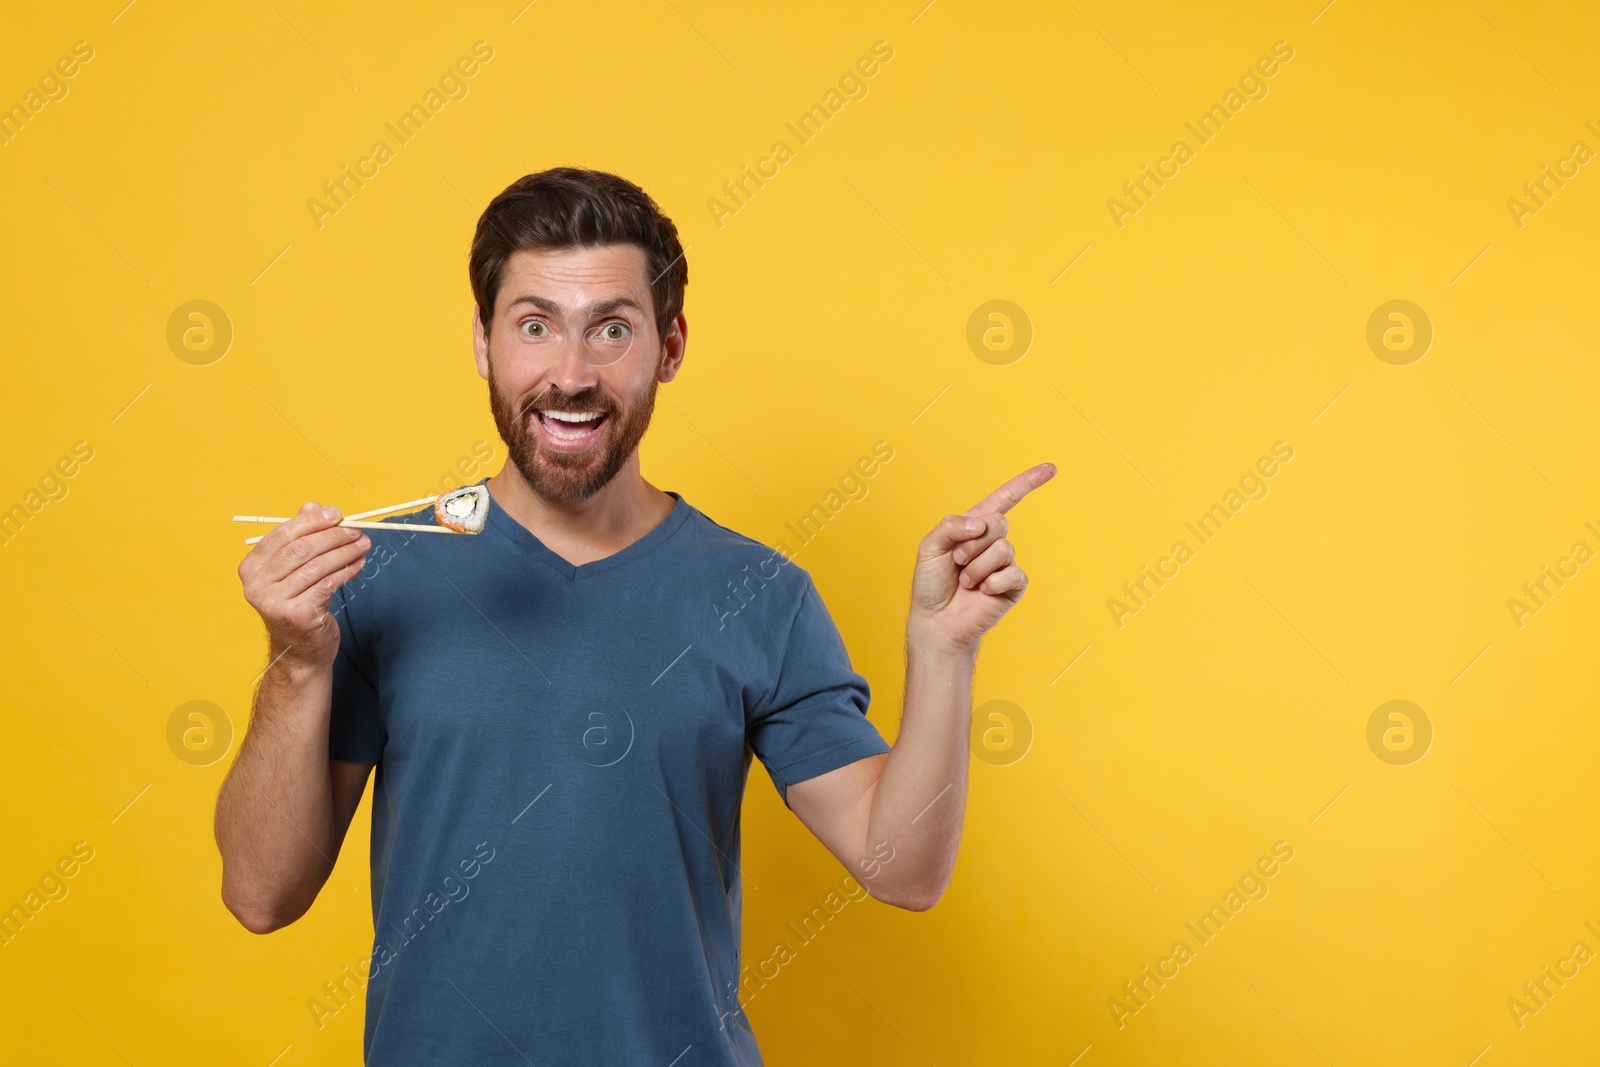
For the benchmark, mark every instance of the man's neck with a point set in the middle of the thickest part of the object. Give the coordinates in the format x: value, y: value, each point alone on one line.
x: 624, y: 510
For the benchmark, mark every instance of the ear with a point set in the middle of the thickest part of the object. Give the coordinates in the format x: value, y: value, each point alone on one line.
x: 674, y: 343
x: 480, y: 345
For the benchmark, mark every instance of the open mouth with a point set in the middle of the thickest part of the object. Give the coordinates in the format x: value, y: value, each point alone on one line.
x: 569, y: 430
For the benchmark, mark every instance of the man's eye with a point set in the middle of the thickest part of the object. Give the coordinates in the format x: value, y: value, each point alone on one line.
x: 614, y: 331
x: 534, y: 328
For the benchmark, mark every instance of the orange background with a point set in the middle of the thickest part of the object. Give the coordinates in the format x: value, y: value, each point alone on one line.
x: 1144, y: 768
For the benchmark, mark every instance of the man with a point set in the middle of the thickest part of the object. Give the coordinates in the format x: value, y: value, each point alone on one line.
x: 562, y: 708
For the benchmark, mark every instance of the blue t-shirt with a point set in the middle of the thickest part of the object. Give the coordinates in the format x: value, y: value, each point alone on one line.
x: 561, y: 758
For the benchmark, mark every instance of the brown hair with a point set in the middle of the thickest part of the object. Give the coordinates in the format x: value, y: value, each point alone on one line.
x: 569, y: 207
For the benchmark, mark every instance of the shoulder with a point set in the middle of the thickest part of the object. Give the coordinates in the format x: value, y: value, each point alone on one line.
x: 390, y: 550
x: 715, y: 543
x: 744, y: 575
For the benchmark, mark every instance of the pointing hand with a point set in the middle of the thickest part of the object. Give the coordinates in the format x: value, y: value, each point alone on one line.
x: 966, y: 575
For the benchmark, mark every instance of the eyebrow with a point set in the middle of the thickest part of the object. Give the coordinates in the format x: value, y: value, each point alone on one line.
x: 550, y: 307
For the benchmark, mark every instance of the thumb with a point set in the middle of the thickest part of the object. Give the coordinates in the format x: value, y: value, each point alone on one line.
x: 950, y: 532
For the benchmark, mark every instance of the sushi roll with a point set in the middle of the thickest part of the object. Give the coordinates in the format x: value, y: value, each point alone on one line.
x: 464, y: 510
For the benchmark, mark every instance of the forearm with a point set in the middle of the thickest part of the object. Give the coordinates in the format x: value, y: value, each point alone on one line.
x: 275, y: 823
x: 920, y: 801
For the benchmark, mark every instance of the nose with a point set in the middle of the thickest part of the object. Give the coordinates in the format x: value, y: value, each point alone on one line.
x: 572, y: 373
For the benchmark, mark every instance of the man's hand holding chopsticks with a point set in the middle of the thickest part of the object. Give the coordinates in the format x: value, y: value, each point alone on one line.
x: 292, y: 573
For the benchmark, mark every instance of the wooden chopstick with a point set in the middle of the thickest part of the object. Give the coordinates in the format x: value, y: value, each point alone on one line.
x: 347, y: 522
x: 393, y: 507
x: 354, y: 520
x: 348, y: 518
x: 416, y: 526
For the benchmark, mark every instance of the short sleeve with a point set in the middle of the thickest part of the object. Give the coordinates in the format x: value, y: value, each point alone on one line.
x: 815, y: 718
x: 355, y: 726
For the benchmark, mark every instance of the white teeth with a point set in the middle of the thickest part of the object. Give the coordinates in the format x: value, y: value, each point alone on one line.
x: 563, y: 435
x: 570, y: 416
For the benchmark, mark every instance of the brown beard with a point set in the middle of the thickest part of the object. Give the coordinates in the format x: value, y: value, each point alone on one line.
x: 562, y: 475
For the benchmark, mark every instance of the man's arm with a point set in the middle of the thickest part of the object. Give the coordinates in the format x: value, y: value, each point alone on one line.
x: 895, y: 820
x: 285, y: 807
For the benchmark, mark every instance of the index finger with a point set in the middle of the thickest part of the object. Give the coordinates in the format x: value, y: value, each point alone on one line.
x: 1006, y: 497
x: 308, y: 519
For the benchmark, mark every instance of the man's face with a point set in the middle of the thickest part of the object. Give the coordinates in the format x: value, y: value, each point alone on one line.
x: 552, y: 294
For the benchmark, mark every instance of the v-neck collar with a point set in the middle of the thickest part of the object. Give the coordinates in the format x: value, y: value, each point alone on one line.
x: 524, y: 540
